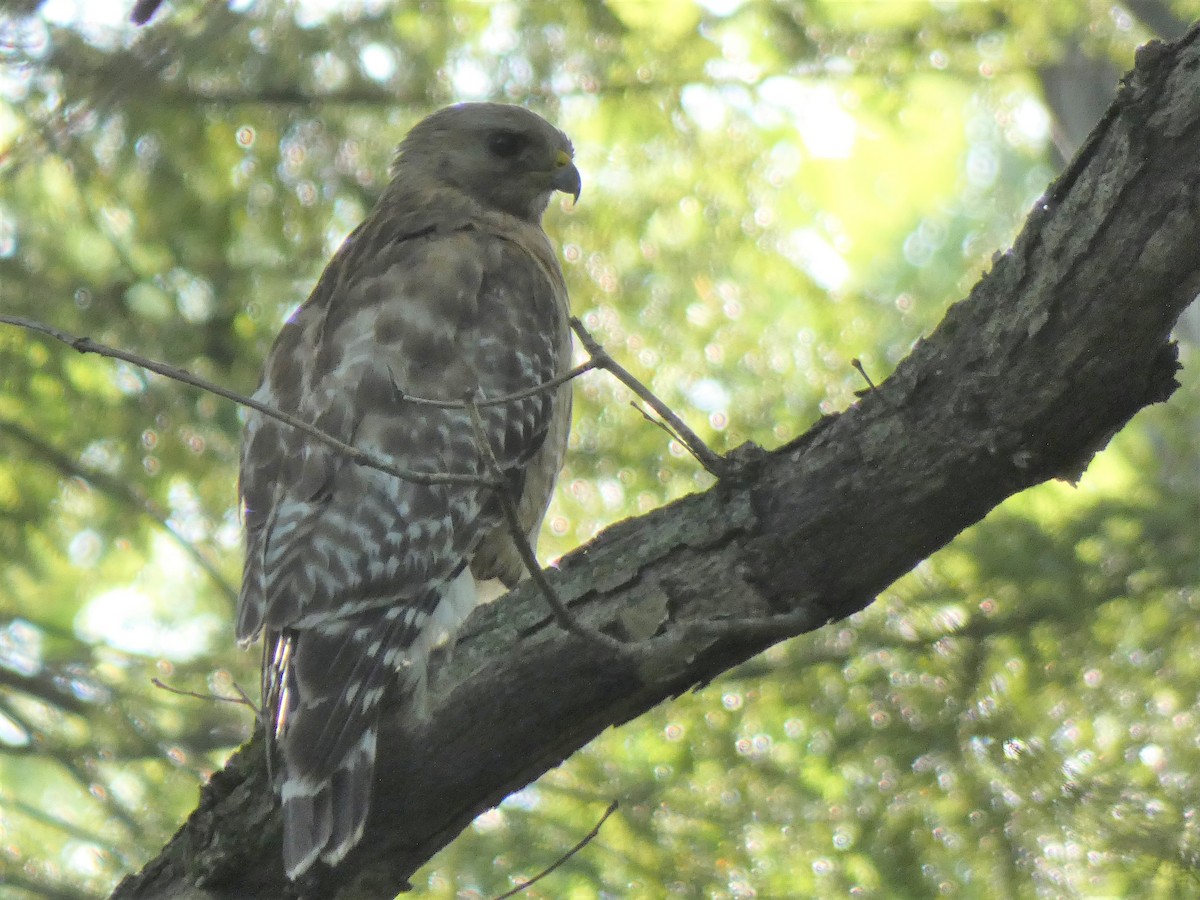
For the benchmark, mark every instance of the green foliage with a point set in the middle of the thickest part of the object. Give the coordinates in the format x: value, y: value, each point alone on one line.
x: 770, y: 190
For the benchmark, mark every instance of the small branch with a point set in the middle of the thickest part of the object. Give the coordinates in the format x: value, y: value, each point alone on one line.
x: 561, y: 614
x: 584, y: 841
x: 499, y: 401
x: 712, y: 463
x: 241, y: 699
x: 245, y: 698
x: 657, y: 423
x: 284, y: 97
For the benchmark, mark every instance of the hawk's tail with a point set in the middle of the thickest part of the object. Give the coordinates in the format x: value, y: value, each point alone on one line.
x: 332, y: 680
x: 326, y: 817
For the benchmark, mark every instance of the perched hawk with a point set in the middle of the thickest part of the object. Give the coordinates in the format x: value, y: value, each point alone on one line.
x: 450, y: 287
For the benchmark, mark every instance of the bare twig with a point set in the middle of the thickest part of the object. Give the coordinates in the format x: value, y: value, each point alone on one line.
x: 561, y: 614
x: 241, y: 700
x: 506, y: 398
x: 658, y: 423
x: 712, y: 463
x: 241, y: 692
x: 599, y: 359
x: 584, y: 841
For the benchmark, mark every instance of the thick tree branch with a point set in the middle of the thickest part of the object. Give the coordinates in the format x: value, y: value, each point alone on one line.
x: 1052, y: 353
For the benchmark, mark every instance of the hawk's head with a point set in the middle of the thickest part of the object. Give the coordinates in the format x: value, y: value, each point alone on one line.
x: 504, y: 157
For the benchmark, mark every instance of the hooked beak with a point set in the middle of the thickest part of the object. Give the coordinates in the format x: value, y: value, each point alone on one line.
x: 566, y: 176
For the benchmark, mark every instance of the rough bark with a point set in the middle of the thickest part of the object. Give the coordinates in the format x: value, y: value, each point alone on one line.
x: 1051, y: 354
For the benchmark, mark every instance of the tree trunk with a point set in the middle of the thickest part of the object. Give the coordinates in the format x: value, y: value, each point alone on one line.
x: 1051, y: 354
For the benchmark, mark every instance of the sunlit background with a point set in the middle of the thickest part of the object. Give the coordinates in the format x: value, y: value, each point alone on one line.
x: 771, y: 189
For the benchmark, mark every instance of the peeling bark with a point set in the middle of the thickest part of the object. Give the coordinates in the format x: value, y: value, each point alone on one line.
x: 1051, y: 354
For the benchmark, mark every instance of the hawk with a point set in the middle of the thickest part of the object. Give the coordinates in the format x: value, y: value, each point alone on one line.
x: 448, y: 289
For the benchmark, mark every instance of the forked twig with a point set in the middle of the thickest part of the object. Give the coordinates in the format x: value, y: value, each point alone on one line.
x: 561, y: 614
x: 598, y: 359
x: 583, y: 842
x: 241, y: 692
x: 241, y: 699
x: 657, y: 423
x: 712, y: 463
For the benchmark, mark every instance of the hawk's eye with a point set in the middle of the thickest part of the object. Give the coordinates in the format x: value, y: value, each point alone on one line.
x: 505, y: 144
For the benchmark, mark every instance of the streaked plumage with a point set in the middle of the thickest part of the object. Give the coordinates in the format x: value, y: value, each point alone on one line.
x: 449, y: 286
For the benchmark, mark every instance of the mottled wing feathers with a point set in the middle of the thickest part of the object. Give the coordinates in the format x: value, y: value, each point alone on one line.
x: 434, y: 316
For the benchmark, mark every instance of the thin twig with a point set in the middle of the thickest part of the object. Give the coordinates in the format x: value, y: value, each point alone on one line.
x: 584, y: 841
x: 506, y: 398
x: 241, y: 692
x: 242, y: 700
x: 713, y: 463
x: 659, y: 423
x: 561, y: 614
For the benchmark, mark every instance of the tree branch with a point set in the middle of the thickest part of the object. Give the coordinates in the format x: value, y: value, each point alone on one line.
x: 1053, y: 352
x: 583, y: 842
x: 674, y: 425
